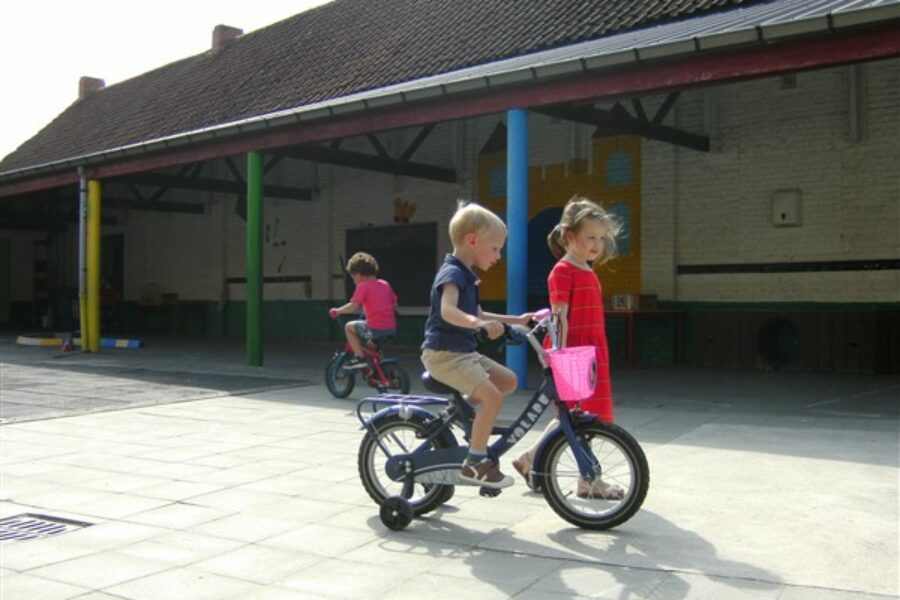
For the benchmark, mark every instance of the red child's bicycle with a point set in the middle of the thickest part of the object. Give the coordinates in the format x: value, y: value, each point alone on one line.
x: 384, y: 374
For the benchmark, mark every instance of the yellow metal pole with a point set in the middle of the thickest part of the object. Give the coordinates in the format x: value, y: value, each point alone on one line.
x: 93, y: 267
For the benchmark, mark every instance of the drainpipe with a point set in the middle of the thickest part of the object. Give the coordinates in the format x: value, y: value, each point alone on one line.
x: 82, y: 259
x: 517, y: 225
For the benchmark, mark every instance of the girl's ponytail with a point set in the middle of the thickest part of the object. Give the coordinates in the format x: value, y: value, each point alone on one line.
x: 555, y: 242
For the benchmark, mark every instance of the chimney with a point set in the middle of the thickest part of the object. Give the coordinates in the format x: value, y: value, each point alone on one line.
x: 223, y: 34
x: 89, y: 85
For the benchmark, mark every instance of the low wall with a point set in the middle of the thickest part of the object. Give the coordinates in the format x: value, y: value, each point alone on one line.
x: 833, y: 338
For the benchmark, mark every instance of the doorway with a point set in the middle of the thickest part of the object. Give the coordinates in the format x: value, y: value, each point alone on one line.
x: 112, y: 281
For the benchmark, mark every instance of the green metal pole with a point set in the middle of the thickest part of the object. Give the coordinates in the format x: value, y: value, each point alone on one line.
x: 254, y: 258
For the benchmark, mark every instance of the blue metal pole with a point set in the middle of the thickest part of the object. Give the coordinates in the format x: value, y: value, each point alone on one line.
x: 517, y: 223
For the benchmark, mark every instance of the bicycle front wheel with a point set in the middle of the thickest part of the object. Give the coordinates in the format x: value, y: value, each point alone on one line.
x: 339, y: 380
x: 615, y: 496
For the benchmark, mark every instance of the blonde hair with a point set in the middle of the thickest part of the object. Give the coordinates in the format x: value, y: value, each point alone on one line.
x: 473, y: 218
x: 577, y: 210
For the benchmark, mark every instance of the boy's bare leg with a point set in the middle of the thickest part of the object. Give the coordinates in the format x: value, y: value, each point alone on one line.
x: 501, y: 382
x: 477, y: 468
x: 504, y: 379
x: 491, y: 401
x: 352, y: 338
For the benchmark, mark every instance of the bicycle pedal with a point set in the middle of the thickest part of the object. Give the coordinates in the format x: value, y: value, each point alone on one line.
x: 489, y: 492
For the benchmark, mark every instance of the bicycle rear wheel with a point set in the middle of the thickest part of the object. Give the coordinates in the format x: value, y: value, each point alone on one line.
x: 400, y: 437
x: 339, y: 380
x: 623, y: 469
x: 397, y: 377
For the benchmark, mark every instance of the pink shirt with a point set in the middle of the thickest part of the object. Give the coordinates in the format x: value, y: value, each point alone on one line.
x: 377, y: 298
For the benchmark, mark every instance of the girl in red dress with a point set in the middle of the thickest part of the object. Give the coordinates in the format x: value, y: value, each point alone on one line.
x: 585, y: 237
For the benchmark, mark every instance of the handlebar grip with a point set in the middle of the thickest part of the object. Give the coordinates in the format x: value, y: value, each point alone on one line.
x: 511, y: 334
x: 482, y: 336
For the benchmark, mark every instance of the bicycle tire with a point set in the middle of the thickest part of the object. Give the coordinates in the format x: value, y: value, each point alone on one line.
x: 379, y: 489
x: 338, y: 380
x: 623, y: 463
x: 397, y: 377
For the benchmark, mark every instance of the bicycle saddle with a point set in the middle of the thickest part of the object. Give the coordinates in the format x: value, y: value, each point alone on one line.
x: 433, y: 385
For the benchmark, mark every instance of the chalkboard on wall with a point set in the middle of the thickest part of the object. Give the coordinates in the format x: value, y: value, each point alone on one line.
x: 406, y: 255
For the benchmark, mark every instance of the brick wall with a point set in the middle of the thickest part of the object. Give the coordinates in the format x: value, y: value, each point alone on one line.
x: 716, y: 207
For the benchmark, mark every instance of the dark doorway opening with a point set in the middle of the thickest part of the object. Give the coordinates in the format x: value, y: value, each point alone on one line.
x: 112, y: 282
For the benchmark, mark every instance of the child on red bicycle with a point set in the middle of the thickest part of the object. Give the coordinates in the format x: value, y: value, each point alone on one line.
x: 377, y: 300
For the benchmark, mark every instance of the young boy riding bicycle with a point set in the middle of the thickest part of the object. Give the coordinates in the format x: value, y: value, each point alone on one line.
x: 449, y: 351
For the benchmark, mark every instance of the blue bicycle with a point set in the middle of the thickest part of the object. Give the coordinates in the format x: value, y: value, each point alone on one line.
x: 410, y: 456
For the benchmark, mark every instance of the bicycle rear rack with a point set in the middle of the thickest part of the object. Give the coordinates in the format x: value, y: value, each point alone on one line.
x: 376, y: 403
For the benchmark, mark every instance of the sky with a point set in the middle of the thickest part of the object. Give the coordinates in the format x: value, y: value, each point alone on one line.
x: 47, y: 46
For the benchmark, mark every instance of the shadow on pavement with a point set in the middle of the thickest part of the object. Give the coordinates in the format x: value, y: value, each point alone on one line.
x: 632, y: 560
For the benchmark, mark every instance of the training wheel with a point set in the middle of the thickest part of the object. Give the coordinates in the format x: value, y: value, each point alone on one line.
x: 489, y: 492
x: 449, y: 490
x: 396, y: 513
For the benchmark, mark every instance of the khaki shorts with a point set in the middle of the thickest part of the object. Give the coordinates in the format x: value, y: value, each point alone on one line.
x: 463, y: 371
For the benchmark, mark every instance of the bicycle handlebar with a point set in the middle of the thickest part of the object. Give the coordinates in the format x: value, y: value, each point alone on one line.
x: 519, y: 334
x: 514, y: 334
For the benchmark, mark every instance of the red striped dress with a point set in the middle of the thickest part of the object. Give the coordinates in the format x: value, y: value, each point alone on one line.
x: 580, y: 289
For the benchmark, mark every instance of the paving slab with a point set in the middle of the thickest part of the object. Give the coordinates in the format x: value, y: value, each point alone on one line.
x: 184, y: 583
x: 25, y: 585
x: 180, y: 548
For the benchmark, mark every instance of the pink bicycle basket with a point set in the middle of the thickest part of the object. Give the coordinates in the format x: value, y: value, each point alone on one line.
x: 574, y: 372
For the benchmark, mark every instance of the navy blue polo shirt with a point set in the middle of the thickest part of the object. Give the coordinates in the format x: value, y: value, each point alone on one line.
x: 440, y: 335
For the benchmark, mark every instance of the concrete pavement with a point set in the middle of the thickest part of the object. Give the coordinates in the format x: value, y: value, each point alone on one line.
x: 208, y: 483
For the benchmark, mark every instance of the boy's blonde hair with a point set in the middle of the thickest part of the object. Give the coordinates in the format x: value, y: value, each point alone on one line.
x: 363, y: 264
x: 577, y: 210
x: 473, y: 218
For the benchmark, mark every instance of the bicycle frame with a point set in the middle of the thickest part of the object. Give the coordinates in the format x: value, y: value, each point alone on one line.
x: 373, y: 374
x: 441, y: 466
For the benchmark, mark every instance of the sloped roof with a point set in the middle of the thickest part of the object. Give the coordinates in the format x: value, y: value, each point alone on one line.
x: 341, y: 48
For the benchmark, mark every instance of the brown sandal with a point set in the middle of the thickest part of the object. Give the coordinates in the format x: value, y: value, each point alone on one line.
x: 524, y: 470
x: 600, y: 490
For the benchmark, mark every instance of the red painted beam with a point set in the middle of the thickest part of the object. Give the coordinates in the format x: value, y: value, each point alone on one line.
x: 37, y: 184
x: 691, y: 70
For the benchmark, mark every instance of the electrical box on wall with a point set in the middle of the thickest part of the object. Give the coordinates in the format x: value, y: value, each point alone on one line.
x: 786, y: 208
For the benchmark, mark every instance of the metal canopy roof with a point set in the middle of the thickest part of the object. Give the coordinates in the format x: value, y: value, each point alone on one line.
x: 758, y: 24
